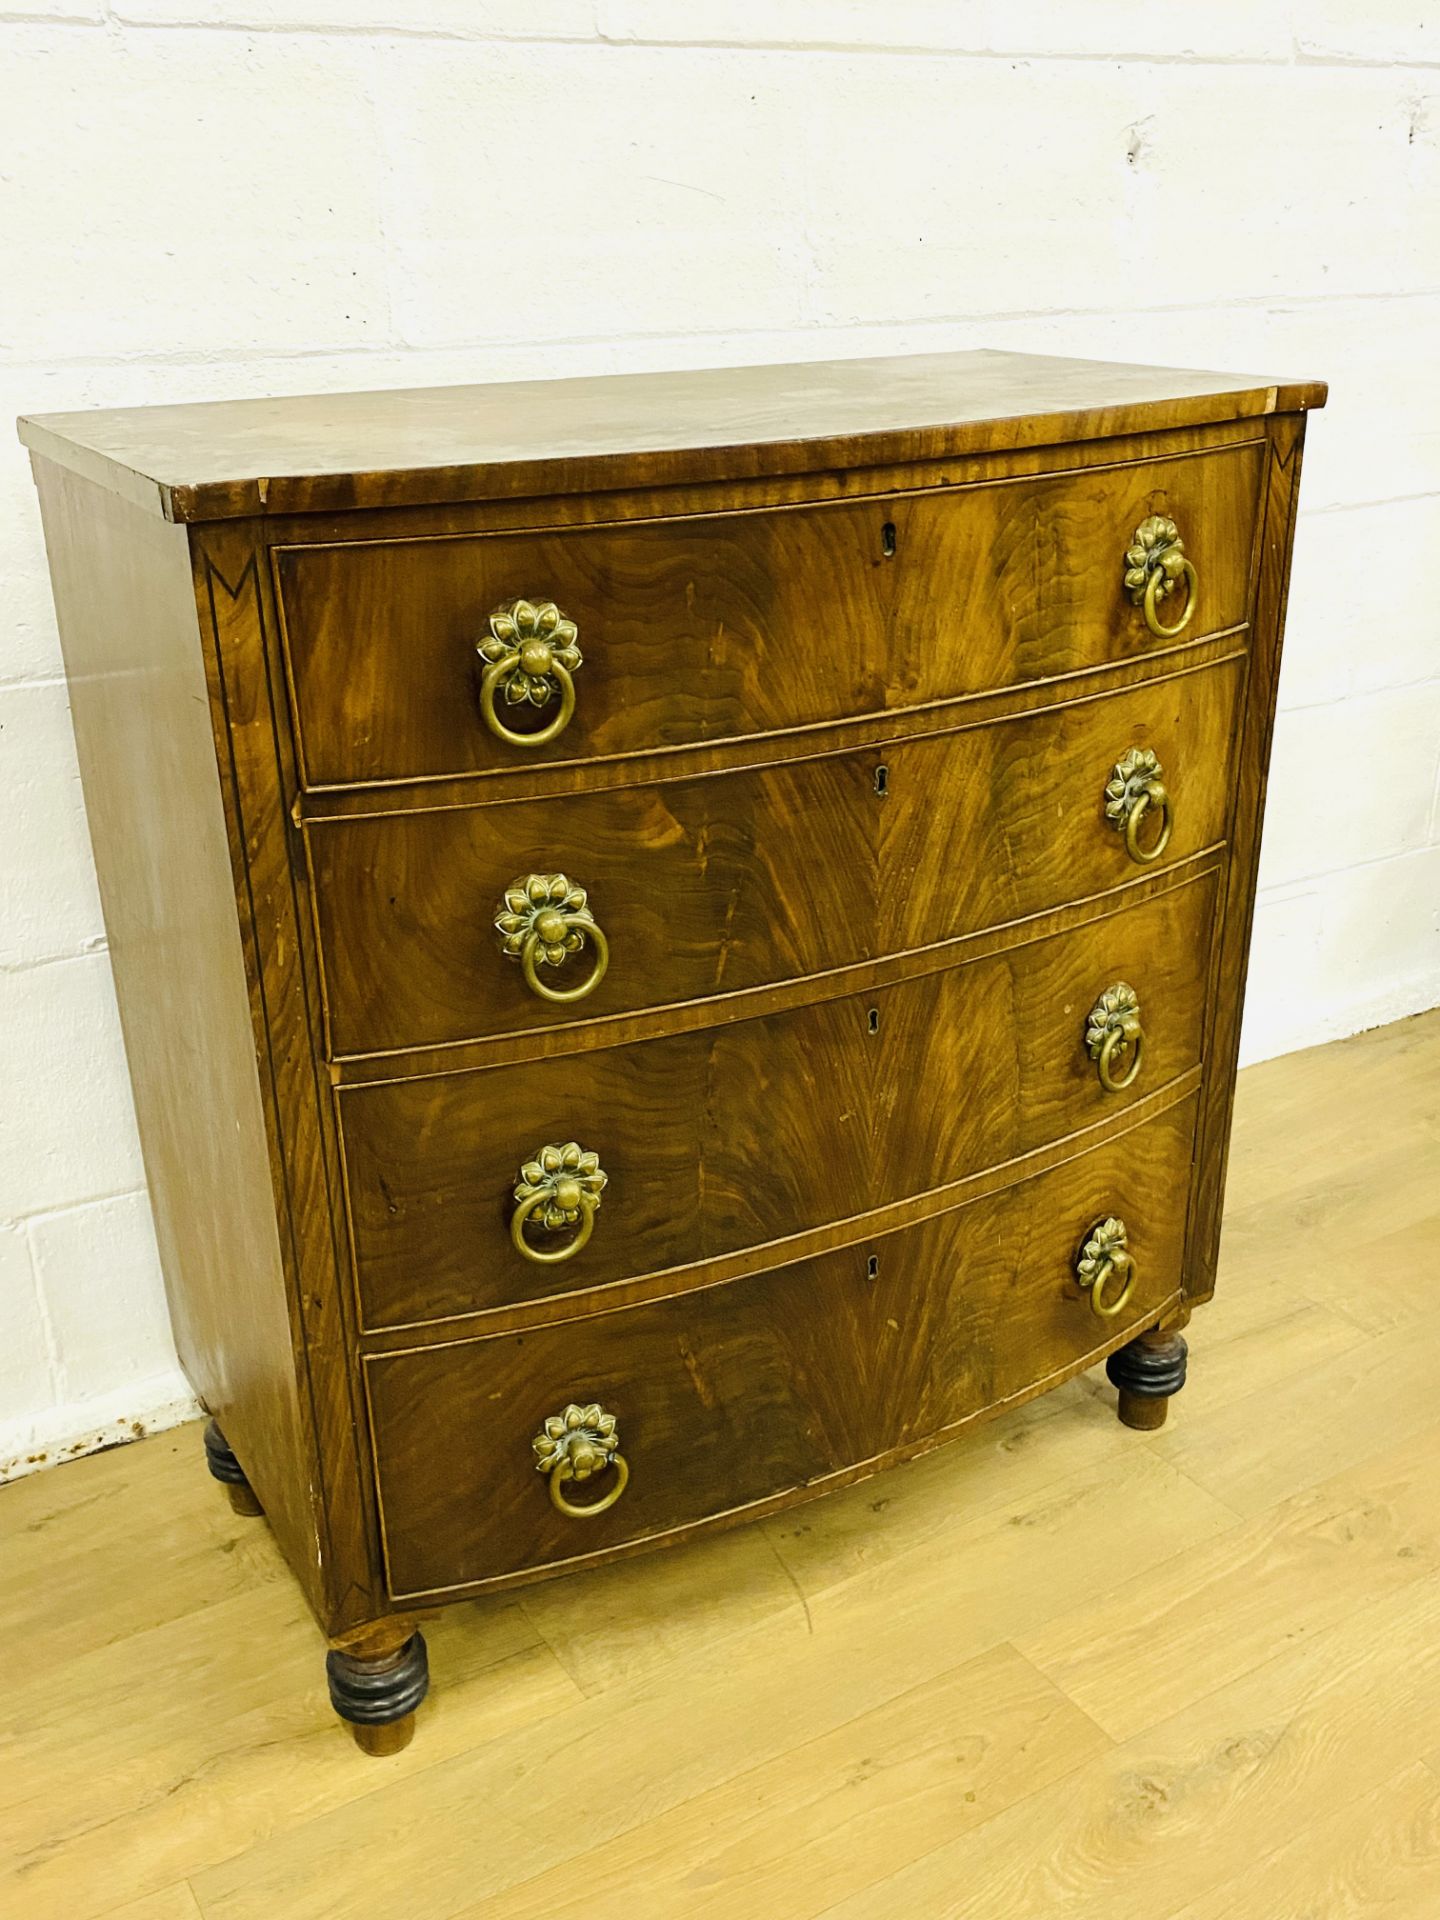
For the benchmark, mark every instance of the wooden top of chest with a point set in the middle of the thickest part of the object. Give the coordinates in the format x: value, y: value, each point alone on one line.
x: 318, y: 453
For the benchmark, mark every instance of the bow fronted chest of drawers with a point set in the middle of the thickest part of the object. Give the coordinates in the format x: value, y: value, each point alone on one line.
x: 679, y: 938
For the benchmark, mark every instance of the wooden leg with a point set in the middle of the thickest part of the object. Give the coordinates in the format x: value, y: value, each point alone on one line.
x: 1148, y: 1372
x: 381, y: 1741
x: 378, y: 1677
x: 228, y: 1471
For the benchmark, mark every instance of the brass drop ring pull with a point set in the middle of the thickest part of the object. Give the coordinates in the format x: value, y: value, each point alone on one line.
x: 1155, y: 563
x: 574, y: 1446
x: 1133, y: 792
x: 560, y: 1191
x: 1105, y: 1260
x: 530, y: 652
x: 543, y: 919
x: 1154, y: 587
x: 1114, y: 1025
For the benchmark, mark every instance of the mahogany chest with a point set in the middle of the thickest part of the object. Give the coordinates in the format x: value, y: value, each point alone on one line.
x: 679, y: 938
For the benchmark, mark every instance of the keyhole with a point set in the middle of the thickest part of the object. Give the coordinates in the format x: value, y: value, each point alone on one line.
x: 873, y: 1019
x: 887, y: 539
x: 872, y: 1266
x: 882, y: 781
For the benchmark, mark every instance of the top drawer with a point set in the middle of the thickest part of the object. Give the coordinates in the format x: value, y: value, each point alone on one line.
x: 726, y: 625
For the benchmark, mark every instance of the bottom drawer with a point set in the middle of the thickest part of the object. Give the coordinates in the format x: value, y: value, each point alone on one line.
x: 743, y: 1393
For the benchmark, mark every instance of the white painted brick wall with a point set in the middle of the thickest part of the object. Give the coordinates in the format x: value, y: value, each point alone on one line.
x: 211, y: 197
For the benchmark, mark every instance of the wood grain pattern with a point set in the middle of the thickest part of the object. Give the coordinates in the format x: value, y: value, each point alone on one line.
x: 749, y: 1003
x: 713, y: 885
x: 1349, y: 1540
x: 1381, y: 1855
x: 1255, y: 1755
x: 807, y: 1244
x: 743, y: 1134
x: 766, y: 1388
x: 173, y: 1903
x: 725, y: 627
x: 946, y: 1754
x: 432, y: 445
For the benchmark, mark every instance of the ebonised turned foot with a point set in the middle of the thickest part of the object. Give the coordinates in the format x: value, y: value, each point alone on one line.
x: 225, y: 1468
x: 1148, y: 1372
x: 377, y: 1692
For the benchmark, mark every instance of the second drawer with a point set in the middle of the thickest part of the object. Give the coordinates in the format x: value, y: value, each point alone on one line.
x: 743, y: 1134
x: 708, y: 886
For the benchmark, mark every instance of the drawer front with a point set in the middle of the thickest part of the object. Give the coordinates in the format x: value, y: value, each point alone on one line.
x: 744, y: 1393
x: 727, y: 625
x: 746, y: 1133
x: 740, y: 880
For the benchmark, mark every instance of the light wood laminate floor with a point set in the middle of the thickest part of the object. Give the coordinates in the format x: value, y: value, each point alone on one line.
x: 1057, y: 1669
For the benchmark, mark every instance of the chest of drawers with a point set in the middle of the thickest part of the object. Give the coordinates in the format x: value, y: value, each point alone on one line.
x: 679, y: 938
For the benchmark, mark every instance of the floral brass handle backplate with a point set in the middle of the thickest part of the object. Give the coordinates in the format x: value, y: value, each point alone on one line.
x: 1105, y: 1259
x: 1134, y: 791
x: 544, y: 918
x: 1155, y: 564
x: 559, y: 1192
x: 574, y: 1446
x: 1113, y: 1030
x: 529, y: 655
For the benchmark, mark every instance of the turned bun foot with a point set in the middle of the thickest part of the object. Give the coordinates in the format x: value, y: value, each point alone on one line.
x: 377, y: 1693
x: 1147, y: 1373
x: 225, y: 1468
x: 392, y: 1737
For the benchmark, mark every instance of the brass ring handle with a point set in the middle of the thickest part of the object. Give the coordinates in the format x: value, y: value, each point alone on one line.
x: 560, y: 1190
x: 503, y: 673
x: 1155, y: 563
x: 543, y: 919
x: 1104, y: 1257
x: 531, y: 951
x: 1152, y: 796
x: 1105, y: 1065
x: 562, y: 1505
x: 522, y: 1246
x: 1155, y: 588
x: 1134, y: 790
x: 1124, y: 1266
x: 531, y: 650
x: 576, y: 1445
x: 1114, y: 1024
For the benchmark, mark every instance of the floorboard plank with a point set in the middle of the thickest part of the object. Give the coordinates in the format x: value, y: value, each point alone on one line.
x: 801, y: 1831
x: 1379, y: 1855
x: 1137, y: 1656
x: 1169, y: 1815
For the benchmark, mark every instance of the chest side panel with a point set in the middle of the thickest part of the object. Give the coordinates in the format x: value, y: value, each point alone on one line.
x: 159, y: 825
